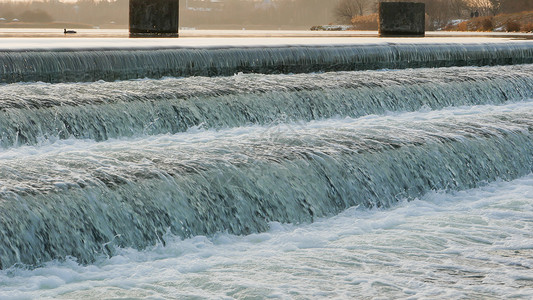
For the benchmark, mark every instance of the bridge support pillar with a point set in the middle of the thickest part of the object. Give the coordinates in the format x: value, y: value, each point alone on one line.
x: 154, y: 18
x: 402, y: 19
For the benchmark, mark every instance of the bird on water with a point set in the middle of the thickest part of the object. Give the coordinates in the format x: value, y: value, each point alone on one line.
x: 65, y: 31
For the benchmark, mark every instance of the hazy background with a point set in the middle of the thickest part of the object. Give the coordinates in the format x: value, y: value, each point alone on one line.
x: 238, y: 14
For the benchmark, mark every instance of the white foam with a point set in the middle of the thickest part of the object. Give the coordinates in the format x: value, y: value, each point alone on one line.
x: 475, y: 243
x: 198, y: 135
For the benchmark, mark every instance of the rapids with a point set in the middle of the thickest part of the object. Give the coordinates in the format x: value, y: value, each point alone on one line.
x: 31, y: 113
x: 74, y: 65
x: 82, y: 198
x: 402, y: 169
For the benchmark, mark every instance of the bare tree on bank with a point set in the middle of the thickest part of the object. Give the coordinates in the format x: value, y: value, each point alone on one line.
x: 489, y: 7
x: 347, y: 9
x: 496, y: 6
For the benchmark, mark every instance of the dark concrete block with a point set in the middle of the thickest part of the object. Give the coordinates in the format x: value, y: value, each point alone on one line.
x: 154, y: 18
x: 402, y: 19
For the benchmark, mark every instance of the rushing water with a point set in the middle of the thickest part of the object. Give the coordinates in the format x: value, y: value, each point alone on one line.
x: 240, y: 179
x: 68, y: 65
x: 392, y: 183
x: 474, y: 244
x: 30, y: 113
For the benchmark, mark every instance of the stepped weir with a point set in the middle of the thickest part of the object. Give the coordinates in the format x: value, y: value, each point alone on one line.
x: 63, y: 64
x: 112, y: 147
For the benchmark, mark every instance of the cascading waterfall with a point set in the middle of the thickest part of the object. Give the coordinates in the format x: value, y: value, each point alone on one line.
x: 90, y: 165
x: 84, y: 199
x: 31, y: 113
x: 67, y: 65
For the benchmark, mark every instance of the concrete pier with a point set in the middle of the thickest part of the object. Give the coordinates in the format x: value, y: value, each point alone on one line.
x: 402, y: 19
x: 154, y: 18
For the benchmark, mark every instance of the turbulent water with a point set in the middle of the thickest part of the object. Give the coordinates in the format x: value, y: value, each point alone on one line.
x: 474, y: 244
x: 392, y: 183
x: 239, y: 180
x: 31, y: 113
x: 70, y: 65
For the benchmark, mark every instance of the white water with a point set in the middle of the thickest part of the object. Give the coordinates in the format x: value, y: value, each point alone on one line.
x: 88, y: 197
x: 473, y: 244
x: 396, y: 124
x: 33, y: 112
x: 112, y: 63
